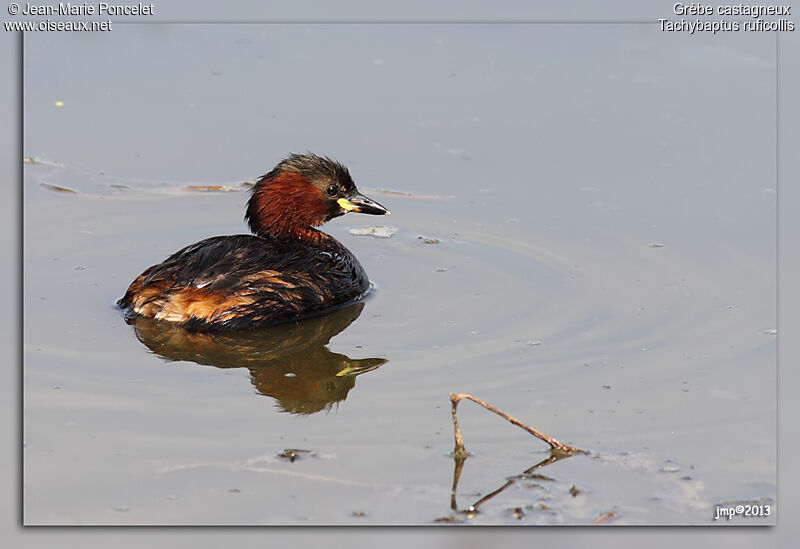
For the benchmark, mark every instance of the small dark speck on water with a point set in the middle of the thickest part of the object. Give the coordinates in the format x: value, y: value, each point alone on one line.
x: 234, y: 491
x: 606, y: 386
x: 358, y: 514
x: 80, y: 267
x: 122, y: 508
x: 574, y: 491
x: 441, y: 269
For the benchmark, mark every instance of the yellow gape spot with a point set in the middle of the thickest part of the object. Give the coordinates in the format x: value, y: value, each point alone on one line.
x: 345, y: 371
x: 345, y: 204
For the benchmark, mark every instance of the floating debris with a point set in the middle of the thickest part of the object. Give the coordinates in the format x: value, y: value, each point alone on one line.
x: 451, y: 519
x: 358, y: 514
x: 80, y: 267
x: 604, y: 518
x: 760, y: 501
x: 533, y: 343
x: 234, y: 491
x: 40, y: 161
x: 656, y: 245
x: 441, y: 269
x: 427, y: 240
x: 293, y: 454
x: 574, y: 491
x: 517, y: 513
x: 379, y: 231
x: 122, y: 508
x: 210, y: 188
x: 770, y: 332
x: 58, y: 189
x: 534, y: 476
x: 387, y: 192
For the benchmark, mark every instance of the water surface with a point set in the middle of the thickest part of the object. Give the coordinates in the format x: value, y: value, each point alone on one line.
x: 585, y: 226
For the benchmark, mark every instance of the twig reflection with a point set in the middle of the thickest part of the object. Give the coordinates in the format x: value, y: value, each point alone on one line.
x: 555, y: 455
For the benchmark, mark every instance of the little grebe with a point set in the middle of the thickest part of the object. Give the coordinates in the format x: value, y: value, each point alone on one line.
x: 286, y: 271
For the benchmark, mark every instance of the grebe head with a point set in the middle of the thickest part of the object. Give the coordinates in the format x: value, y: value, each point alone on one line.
x: 303, y: 191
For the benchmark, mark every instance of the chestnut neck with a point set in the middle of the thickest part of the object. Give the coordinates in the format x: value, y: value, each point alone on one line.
x: 286, y: 205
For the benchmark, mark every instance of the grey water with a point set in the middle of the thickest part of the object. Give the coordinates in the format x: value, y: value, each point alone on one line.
x: 585, y: 238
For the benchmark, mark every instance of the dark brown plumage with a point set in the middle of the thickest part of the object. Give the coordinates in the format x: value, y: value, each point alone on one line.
x: 286, y: 271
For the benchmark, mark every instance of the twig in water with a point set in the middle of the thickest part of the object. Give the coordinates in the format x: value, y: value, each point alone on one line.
x: 461, y: 451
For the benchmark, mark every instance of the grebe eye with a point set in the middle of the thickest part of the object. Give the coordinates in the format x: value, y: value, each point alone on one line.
x: 332, y: 191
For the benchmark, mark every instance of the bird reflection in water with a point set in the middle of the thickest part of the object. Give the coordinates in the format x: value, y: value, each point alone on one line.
x: 288, y: 362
